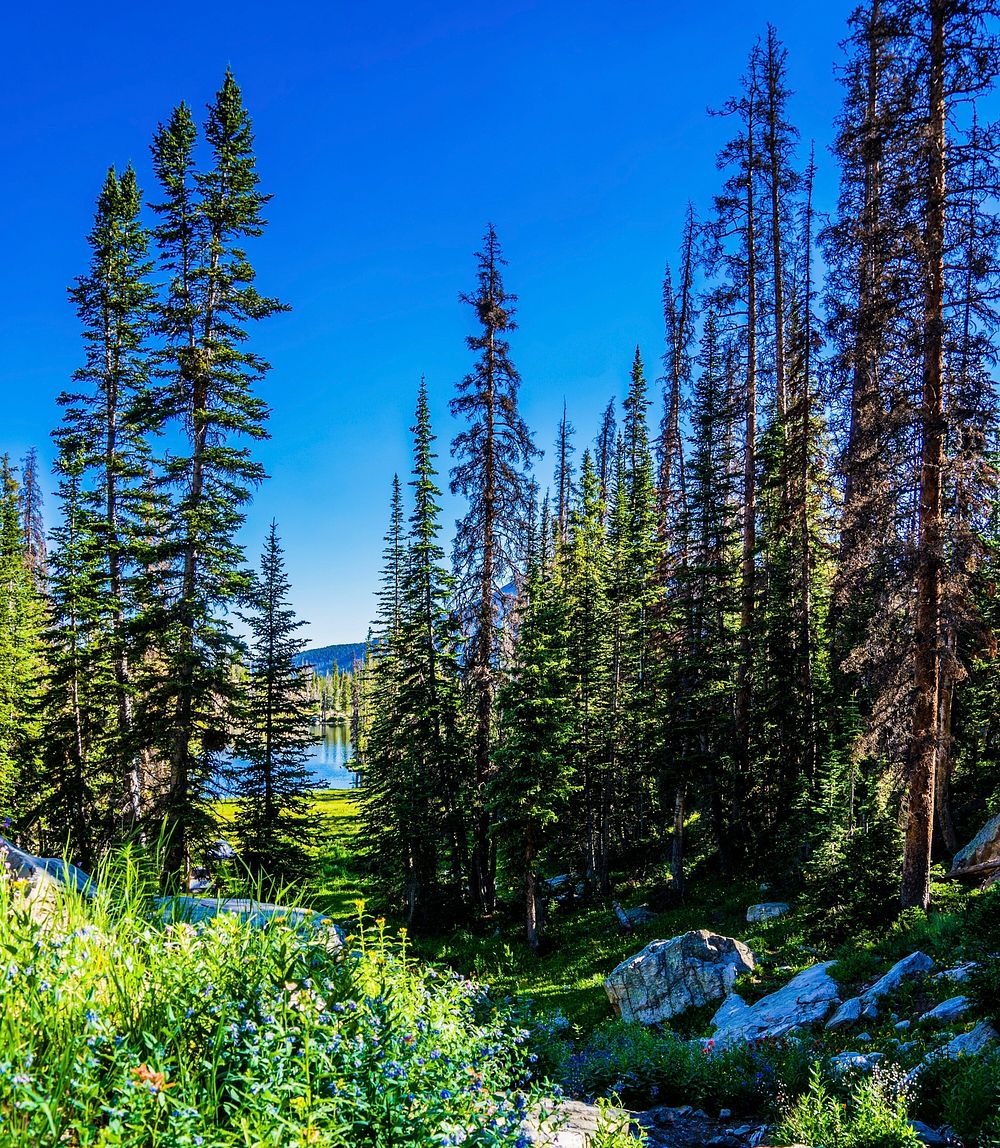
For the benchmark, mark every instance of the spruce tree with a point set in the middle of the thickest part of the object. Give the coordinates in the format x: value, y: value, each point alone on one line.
x: 206, y: 378
x: 536, y: 781
x: 100, y: 420
x: 493, y: 455
x: 272, y: 819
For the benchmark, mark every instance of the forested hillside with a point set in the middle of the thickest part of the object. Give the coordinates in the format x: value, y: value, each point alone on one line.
x: 760, y: 602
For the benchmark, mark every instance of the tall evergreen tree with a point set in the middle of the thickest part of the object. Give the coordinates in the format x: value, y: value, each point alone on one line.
x: 113, y: 301
x: 493, y: 455
x: 207, y: 374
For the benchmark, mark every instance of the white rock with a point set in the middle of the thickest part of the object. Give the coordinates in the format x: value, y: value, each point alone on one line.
x: 806, y: 999
x: 670, y: 976
x: 255, y: 913
x: 958, y: 974
x: 768, y: 911
x: 854, y: 1062
x: 866, y: 1005
x: 947, y: 1012
x: 848, y: 1013
x: 968, y: 1043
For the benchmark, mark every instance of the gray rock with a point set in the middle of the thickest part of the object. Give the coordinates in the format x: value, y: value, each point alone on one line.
x: 902, y: 1025
x: 864, y: 1037
x: 807, y: 999
x: 929, y: 1136
x: 854, y: 1062
x: 866, y: 1005
x: 985, y: 846
x: 220, y: 851
x: 42, y: 881
x: 640, y: 915
x: 958, y: 974
x: 948, y: 1012
x: 667, y: 977
x: 255, y: 913
x: 767, y: 912
x: 972, y: 1043
x: 848, y: 1013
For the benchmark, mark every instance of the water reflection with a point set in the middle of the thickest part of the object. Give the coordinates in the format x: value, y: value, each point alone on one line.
x: 328, y: 758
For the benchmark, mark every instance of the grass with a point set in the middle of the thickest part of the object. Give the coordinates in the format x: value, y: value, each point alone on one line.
x: 116, y: 1029
x: 337, y: 883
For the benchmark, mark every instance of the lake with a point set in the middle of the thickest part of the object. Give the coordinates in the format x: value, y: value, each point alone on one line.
x: 328, y: 757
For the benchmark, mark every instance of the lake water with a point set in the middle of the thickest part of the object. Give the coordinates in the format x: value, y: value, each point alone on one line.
x: 328, y: 758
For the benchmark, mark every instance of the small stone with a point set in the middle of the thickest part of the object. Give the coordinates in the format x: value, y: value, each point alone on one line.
x: 767, y: 911
x: 864, y: 1037
x: 725, y: 1114
x: 902, y: 1025
x: 958, y: 973
x: 854, y: 1061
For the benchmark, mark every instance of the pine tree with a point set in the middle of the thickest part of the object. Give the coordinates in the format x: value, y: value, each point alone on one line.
x: 492, y: 456
x: 206, y: 378
x: 703, y: 748
x: 584, y: 569
x: 272, y: 819
x: 33, y: 518
x: 82, y: 792
x: 21, y: 661
x: 113, y: 301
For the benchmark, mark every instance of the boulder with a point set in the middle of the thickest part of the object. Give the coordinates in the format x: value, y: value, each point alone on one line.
x: 982, y: 849
x: 670, y: 976
x: 972, y: 1043
x: 928, y: 1136
x: 41, y: 880
x: 255, y: 913
x: 958, y: 974
x: 807, y: 999
x: 948, y: 1012
x: 767, y: 912
x: 867, y: 1004
x: 854, y: 1062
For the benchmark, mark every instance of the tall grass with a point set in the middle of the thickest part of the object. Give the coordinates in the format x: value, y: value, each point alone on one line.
x: 119, y: 1029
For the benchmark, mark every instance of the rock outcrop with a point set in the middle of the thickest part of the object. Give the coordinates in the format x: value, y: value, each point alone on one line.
x: 948, y: 1012
x: 767, y: 911
x: 668, y: 977
x: 983, y: 849
x: 867, y: 1004
x: 808, y: 998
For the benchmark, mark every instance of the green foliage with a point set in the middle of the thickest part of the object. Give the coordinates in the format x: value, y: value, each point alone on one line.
x: 272, y: 822
x: 644, y: 1067
x: 852, y: 879
x: 964, y: 1094
x: 875, y: 1116
x: 117, y: 1029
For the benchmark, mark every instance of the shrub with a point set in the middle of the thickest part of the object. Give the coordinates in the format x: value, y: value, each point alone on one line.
x: 647, y: 1067
x: 874, y: 1116
x: 964, y: 1094
x: 116, y: 1029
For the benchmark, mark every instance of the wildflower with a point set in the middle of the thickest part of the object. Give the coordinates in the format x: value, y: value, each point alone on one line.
x: 154, y: 1081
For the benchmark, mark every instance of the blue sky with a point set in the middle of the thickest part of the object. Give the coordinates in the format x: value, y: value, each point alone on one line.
x: 389, y: 134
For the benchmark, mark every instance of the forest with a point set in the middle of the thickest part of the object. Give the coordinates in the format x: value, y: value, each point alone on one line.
x: 747, y: 636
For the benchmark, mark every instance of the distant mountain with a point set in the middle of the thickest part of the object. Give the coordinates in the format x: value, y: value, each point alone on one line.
x: 325, y: 658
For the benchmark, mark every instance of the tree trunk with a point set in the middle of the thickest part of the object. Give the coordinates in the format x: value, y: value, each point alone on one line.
x: 925, y: 736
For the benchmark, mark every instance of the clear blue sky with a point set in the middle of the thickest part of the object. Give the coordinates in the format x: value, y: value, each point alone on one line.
x: 389, y: 134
